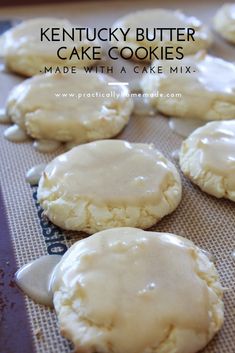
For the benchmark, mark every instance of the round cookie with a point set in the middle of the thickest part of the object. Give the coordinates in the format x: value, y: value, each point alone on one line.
x: 161, y: 18
x: 70, y: 108
x: 207, y: 158
x: 206, y: 92
x: 110, y: 183
x: 128, y: 290
x: 224, y: 22
x: 25, y: 53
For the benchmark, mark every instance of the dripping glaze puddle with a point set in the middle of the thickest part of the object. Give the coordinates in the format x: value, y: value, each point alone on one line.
x: 34, y: 174
x: 4, y: 118
x: 46, y: 146
x: 35, y: 278
x: 3, y: 68
x: 210, y: 256
x: 15, y: 133
x: 143, y: 106
x: 184, y: 127
x: 175, y: 155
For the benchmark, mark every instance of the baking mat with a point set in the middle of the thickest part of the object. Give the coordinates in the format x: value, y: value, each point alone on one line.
x: 209, y: 222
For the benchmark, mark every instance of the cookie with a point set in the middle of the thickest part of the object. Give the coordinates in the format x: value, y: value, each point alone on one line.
x: 107, y: 184
x: 128, y: 290
x: 207, y: 158
x: 224, y: 22
x: 198, y: 87
x: 153, y: 31
x: 70, y: 108
x: 26, y: 54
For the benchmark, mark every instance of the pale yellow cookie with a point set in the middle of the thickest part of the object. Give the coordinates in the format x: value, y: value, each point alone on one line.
x: 198, y: 87
x: 74, y: 108
x: 224, y: 21
x: 207, y: 158
x: 25, y: 53
x: 128, y: 290
x: 107, y: 184
x: 157, y: 18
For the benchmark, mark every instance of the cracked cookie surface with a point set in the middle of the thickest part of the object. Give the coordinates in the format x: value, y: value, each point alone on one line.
x: 128, y: 290
x: 224, y: 22
x: 27, y: 51
x: 200, y: 87
x: 150, y: 35
x: 70, y: 108
x: 109, y: 183
x: 207, y: 158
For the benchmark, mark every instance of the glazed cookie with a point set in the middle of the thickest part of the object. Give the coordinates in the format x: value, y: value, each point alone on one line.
x: 128, y: 290
x: 69, y: 108
x: 155, y: 19
x: 207, y: 157
x: 224, y: 22
x: 26, y: 54
x: 204, y: 91
x: 107, y: 184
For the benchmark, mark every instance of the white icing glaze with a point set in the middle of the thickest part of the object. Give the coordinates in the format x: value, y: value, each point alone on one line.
x: 35, y: 278
x: 184, y: 127
x: 210, y: 256
x: 207, y: 72
x: 89, y: 110
x: 34, y: 174
x: 163, y: 18
x: 224, y: 22
x: 143, y: 107
x: 92, y: 290
x: 161, y: 285
x: 131, y: 177
x: 216, y: 143
x: 2, y: 67
x: 216, y: 74
x: 153, y: 19
x: 230, y: 11
x: 15, y: 134
x: 175, y: 154
x: 46, y: 146
x: 134, y: 86
x: 4, y: 118
x: 25, y: 38
x: 206, y: 93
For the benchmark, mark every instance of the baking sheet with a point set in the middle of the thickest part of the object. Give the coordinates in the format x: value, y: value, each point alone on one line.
x: 209, y: 222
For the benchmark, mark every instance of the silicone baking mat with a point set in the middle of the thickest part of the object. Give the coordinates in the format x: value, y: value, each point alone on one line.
x: 27, y: 327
